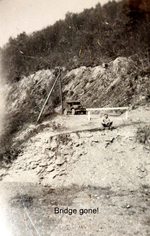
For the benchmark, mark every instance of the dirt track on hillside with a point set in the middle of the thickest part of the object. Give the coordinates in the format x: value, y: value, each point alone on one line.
x: 103, y: 174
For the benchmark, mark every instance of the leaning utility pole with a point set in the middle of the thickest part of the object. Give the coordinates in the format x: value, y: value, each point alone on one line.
x: 61, y: 98
x: 48, y: 98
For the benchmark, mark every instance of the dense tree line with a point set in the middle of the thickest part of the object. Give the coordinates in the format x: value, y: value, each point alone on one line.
x: 89, y: 38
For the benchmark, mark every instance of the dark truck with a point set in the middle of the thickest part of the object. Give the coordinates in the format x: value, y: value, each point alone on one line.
x: 74, y: 107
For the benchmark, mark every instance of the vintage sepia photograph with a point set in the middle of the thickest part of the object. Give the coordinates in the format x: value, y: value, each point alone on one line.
x: 74, y: 117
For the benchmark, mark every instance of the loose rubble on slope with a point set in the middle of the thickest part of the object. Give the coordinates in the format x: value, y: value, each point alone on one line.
x: 113, y: 158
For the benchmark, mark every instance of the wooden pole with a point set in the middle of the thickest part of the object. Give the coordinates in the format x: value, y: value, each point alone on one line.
x: 47, y: 99
x: 89, y: 117
x: 61, y: 98
x: 126, y: 114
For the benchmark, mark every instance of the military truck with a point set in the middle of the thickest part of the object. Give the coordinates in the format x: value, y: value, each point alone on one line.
x: 74, y: 107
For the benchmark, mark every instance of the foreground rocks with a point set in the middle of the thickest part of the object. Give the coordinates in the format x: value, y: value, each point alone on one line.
x: 109, y: 158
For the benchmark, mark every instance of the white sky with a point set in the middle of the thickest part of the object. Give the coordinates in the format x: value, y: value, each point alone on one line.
x: 17, y: 16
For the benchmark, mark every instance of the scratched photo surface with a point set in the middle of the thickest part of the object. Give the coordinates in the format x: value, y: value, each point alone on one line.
x: 74, y: 117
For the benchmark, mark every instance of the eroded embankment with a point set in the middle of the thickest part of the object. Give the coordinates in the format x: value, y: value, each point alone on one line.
x: 100, y: 158
x: 104, y: 170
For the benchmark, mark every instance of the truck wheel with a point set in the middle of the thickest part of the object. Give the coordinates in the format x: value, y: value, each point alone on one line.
x: 73, y: 111
x: 65, y: 112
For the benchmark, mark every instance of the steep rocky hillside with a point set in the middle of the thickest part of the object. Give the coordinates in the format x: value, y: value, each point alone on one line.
x: 23, y: 102
x: 30, y: 91
x: 24, y: 99
x: 121, y: 82
x: 118, y: 83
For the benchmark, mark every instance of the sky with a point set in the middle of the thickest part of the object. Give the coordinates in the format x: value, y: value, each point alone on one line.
x: 17, y: 16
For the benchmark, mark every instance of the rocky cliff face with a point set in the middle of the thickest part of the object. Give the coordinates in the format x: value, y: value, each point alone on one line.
x: 118, y: 83
x: 31, y: 91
